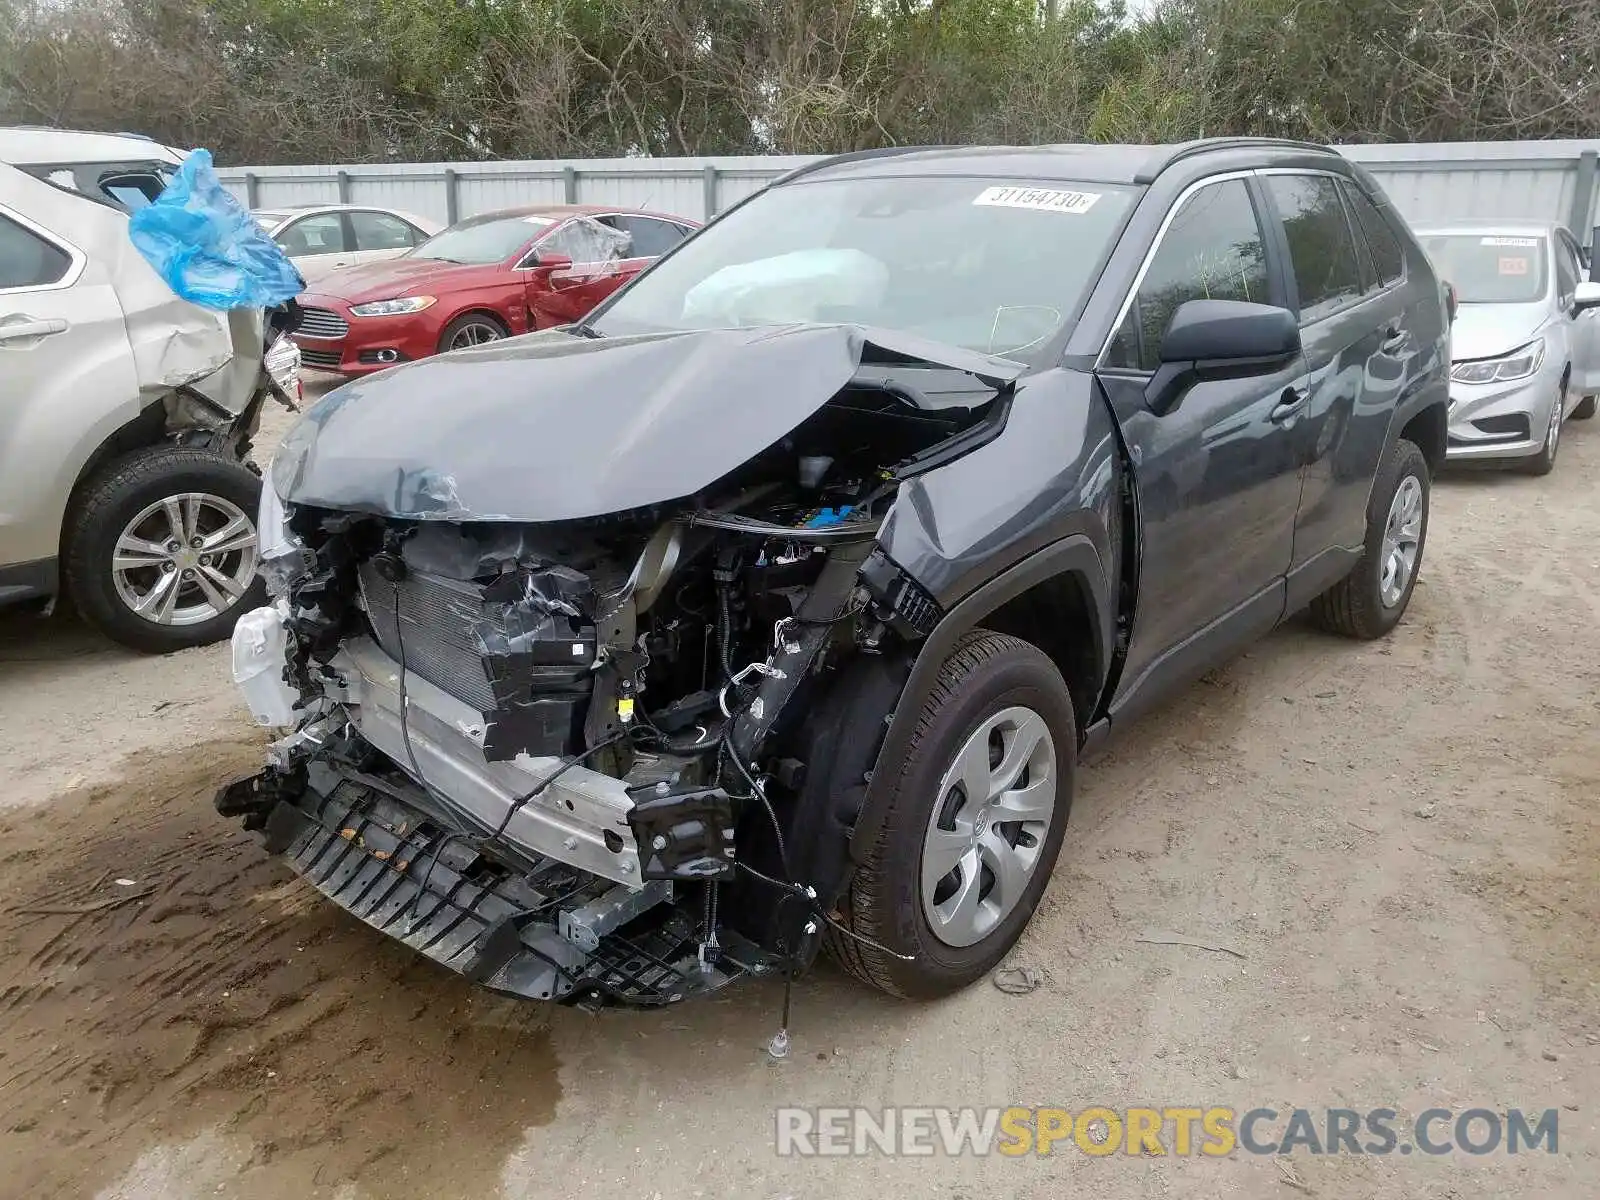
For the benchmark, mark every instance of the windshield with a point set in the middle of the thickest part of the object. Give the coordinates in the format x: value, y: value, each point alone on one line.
x: 993, y: 268
x: 482, y: 240
x: 1490, y: 269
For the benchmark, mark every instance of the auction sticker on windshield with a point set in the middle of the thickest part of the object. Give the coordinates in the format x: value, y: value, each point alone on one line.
x: 1530, y: 243
x: 1048, y: 199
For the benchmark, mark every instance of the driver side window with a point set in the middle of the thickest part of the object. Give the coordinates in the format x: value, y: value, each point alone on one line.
x: 1212, y: 250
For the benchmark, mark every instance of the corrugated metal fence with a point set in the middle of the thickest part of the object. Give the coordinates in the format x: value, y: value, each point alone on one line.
x: 1553, y: 180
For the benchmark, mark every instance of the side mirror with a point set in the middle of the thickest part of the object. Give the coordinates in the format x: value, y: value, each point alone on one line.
x: 1220, y: 339
x: 551, y: 260
x: 1586, y: 297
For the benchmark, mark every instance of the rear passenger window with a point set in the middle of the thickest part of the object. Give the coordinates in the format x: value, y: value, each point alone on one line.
x: 28, y: 260
x: 319, y: 234
x: 1321, y: 246
x: 651, y: 238
x: 1387, y: 260
x: 1213, y: 250
x: 380, y: 231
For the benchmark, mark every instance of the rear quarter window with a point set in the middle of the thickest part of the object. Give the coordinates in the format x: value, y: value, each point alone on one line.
x: 28, y: 260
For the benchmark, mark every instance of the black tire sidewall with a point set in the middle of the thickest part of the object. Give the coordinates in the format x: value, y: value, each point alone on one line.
x: 104, y: 511
x: 1405, y: 460
x: 1021, y: 676
x: 469, y: 318
x: 1544, y: 461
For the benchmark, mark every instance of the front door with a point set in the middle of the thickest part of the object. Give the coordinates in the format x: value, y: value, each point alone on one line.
x: 1217, y: 478
x: 1585, y: 335
x: 599, y: 267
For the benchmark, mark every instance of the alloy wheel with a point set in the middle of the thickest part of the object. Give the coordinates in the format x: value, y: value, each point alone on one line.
x: 475, y: 333
x: 185, y: 559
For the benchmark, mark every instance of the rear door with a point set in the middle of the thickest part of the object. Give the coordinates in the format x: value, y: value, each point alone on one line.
x: 1359, y: 345
x: 377, y: 236
x: 65, y: 363
x: 317, y: 243
x: 1217, y: 477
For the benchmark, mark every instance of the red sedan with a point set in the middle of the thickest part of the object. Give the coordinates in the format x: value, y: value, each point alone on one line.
x: 482, y: 279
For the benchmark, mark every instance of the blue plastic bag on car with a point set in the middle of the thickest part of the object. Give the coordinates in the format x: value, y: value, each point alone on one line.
x: 210, y: 251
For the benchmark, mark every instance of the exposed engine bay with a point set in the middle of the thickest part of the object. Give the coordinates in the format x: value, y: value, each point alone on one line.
x: 568, y: 758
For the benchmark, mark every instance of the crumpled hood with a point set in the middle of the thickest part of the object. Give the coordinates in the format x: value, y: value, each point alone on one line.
x: 1491, y: 330
x: 554, y: 427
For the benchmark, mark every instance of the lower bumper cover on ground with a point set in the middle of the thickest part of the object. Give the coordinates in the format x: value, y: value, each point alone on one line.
x: 364, y: 847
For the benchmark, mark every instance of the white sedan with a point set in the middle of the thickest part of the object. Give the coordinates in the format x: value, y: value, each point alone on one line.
x: 323, y: 237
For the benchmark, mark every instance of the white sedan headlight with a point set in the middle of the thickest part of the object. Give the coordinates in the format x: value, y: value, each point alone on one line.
x: 1519, y: 364
x: 391, y: 308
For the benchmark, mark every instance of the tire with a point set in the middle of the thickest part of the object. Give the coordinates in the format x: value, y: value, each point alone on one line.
x: 1355, y: 607
x: 1544, y: 462
x: 987, y: 676
x: 488, y: 322
x: 1584, y: 410
x: 126, y: 506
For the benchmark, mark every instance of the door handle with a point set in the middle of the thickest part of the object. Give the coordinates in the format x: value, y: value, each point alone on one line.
x: 16, y: 331
x: 1291, y: 402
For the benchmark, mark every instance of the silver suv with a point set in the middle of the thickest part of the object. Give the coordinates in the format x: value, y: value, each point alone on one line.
x: 125, y: 413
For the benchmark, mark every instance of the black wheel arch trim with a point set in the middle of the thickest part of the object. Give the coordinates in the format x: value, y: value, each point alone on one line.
x: 1074, y: 554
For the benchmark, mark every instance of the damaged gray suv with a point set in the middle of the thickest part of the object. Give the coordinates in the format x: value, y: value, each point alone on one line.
x: 771, y: 607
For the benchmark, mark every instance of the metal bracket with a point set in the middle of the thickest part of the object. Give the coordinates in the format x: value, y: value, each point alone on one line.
x: 585, y: 925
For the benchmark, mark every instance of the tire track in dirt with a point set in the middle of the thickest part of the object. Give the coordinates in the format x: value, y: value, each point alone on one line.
x: 217, y: 994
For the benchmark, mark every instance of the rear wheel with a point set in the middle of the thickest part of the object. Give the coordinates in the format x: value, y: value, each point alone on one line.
x: 161, y: 550
x: 471, y: 329
x: 975, y: 820
x: 1369, y: 602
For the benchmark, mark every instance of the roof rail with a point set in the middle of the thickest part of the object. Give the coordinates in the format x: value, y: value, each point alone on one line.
x: 849, y: 156
x: 1183, y: 150
x: 143, y: 137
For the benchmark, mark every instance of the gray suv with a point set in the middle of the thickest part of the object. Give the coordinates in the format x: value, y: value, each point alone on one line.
x: 125, y: 413
x: 773, y: 605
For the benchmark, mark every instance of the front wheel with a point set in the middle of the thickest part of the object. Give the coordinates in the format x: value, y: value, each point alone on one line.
x: 975, y: 819
x: 161, y: 551
x: 471, y: 329
x: 1369, y: 602
x: 1544, y: 462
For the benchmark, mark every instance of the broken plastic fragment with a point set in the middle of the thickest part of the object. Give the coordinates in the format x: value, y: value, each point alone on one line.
x: 829, y: 516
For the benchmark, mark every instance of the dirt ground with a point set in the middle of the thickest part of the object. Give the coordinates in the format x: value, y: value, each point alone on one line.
x: 1401, y: 840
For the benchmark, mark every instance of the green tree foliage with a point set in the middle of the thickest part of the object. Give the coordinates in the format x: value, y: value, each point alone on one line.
x: 269, y: 81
